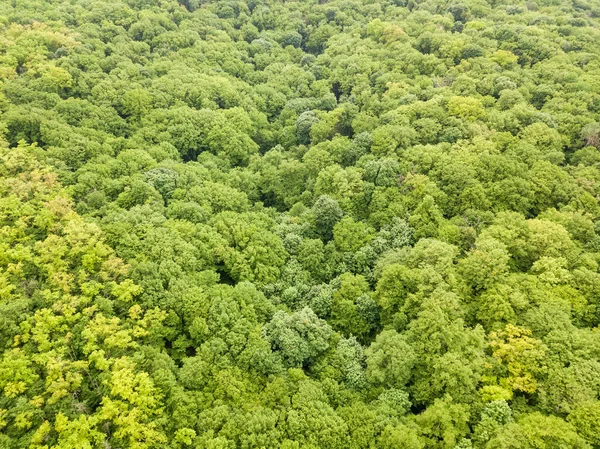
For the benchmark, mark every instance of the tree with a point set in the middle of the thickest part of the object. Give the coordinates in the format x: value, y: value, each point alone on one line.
x: 390, y: 360
x: 350, y: 235
x: 449, y: 357
x: 468, y: 108
x: 312, y: 421
x: 585, y: 419
x: 400, y: 436
x: 248, y: 252
x: 486, y: 264
x: 299, y: 338
x: 518, y: 359
x: 327, y: 213
x: 444, y: 423
x: 304, y: 124
x: 494, y: 415
x: 591, y: 134
x: 353, y: 312
x: 536, y: 430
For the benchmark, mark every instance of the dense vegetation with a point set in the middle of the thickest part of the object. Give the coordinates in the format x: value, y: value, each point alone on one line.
x: 345, y: 224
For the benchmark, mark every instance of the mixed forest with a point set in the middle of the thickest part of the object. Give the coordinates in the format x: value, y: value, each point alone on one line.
x: 310, y: 224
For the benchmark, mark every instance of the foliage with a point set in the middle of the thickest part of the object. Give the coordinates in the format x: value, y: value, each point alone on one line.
x: 300, y: 225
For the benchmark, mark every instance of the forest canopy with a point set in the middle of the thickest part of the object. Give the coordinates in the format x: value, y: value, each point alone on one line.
x: 333, y: 224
